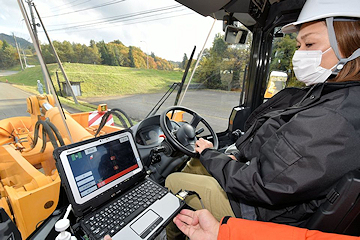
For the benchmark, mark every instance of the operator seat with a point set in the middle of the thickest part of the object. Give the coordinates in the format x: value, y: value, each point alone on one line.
x: 340, y: 213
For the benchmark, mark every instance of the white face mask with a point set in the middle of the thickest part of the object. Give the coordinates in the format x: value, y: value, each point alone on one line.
x: 307, y: 69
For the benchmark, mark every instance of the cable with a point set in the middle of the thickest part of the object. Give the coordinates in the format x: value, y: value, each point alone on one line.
x: 85, y: 9
x: 45, y: 130
x: 123, y: 18
x: 183, y: 194
x: 120, y: 16
x: 56, y: 131
x: 114, y: 112
x: 65, y: 7
x: 94, y: 28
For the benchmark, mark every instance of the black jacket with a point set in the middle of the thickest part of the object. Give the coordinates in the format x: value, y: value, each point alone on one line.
x: 299, y: 144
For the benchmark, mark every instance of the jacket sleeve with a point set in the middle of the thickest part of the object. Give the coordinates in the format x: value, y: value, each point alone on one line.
x: 289, y: 162
x: 237, y: 228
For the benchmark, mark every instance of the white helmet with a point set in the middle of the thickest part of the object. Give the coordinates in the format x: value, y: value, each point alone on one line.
x: 321, y: 9
x: 328, y: 9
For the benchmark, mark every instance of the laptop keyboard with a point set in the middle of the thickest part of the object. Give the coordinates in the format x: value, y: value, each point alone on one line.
x: 113, y: 217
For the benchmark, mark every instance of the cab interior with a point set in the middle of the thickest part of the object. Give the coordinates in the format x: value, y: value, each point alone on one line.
x: 262, y: 19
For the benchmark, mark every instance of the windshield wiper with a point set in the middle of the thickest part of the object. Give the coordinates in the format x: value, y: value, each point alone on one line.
x: 162, y: 100
x: 184, y: 77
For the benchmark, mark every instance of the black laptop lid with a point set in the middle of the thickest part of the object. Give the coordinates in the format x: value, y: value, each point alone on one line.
x: 95, y: 170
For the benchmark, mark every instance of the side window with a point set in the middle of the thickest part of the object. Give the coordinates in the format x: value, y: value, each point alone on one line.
x: 281, y: 74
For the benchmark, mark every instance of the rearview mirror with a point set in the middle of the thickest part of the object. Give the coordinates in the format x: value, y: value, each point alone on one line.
x: 235, y: 35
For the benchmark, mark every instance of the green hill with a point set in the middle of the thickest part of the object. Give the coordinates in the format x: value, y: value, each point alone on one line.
x: 22, y: 42
x: 100, y: 80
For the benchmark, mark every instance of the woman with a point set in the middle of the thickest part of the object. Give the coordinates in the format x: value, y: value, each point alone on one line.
x: 300, y: 142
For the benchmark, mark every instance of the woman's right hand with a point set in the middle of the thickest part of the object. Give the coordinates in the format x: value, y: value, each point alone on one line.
x: 202, y: 144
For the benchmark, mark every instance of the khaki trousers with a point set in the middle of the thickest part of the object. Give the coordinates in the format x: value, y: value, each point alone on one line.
x: 194, y: 177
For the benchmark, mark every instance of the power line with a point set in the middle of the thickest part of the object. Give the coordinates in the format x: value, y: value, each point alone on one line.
x: 124, y: 20
x: 150, y: 20
x: 100, y: 20
x: 60, y: 8
x: 121, y: 18
x: 85, y: 9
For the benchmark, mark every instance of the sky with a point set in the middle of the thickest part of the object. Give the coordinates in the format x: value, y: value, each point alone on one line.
x: 160, y: 26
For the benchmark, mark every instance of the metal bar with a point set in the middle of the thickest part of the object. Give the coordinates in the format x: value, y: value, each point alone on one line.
x: 184, y: 77
x: 197, y: 62
x: 43, y: 66
x: 57, y: 57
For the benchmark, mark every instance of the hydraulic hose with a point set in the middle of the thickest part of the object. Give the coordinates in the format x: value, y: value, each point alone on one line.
x: 56, y: 131
x: 114, y: 111
x: 46, y: 130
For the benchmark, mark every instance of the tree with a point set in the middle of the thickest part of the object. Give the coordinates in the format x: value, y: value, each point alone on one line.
x: 105, y: 58
x: 283, y: 50
x: 8, y: 56
x: 184, y: 61
x: 210, y: 66
x: 78, y: 53
x: 131, y: 57
x: 5, y: 45
x: 153, y: 56
x: 219, y: 46
x: 92, y: 55
x: 47, y: 54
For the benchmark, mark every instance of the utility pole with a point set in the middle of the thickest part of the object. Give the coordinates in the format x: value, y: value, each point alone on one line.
x: 24, y: 58
x: 34, y: 25
x: 17, y: 48
x: 57, y: 58
x: 147, y: 56
x: 30, y: 3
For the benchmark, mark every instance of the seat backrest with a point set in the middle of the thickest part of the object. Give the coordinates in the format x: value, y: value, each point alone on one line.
x: 341, y: 211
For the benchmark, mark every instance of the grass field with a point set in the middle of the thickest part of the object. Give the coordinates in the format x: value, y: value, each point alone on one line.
x: 100, y: 80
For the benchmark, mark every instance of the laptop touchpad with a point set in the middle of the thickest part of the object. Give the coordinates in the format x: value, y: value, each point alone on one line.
x: 146, y: 223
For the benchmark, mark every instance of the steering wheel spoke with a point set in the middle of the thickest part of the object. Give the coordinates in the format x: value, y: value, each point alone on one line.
x: 184, y: 138
x: 195, y: 120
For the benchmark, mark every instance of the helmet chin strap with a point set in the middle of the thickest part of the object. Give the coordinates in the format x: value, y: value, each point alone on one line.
x: 334, y: 45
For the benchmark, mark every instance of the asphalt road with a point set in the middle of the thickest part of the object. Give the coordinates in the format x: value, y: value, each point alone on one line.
x: 7, y: 73
x: 12, y: 101
x: 214, y: 106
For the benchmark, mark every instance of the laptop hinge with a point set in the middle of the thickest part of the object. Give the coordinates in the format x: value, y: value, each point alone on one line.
x: 87, y: 210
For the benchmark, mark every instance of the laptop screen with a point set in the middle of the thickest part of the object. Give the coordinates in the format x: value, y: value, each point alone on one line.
x: 95, y: 167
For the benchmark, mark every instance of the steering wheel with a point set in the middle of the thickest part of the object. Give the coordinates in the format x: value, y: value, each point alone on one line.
x: 184, y: 138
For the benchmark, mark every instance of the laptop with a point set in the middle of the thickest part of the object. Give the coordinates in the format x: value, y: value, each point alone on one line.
x: 106, y: 184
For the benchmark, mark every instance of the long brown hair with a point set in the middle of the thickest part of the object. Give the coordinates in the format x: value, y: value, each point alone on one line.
x: 348, y: 38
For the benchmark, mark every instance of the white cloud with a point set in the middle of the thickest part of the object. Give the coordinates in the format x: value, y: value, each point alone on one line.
x: 168, y: 38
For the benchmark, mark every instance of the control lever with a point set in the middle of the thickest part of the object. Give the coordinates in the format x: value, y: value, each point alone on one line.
x: 199, y: 131
x: 154, y: 154
x: 235, y: 135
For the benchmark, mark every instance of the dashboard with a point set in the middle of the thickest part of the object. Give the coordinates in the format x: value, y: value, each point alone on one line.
x: 149, y: 135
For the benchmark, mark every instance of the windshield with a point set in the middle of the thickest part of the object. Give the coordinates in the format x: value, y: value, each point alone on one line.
x: 281, y: 73
x: 131, y: 75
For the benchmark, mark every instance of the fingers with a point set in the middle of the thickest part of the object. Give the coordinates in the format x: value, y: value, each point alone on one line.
x: 107, y: 237
x: 186, y: 216
x: 202, y: 144
x: 181, y: 225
